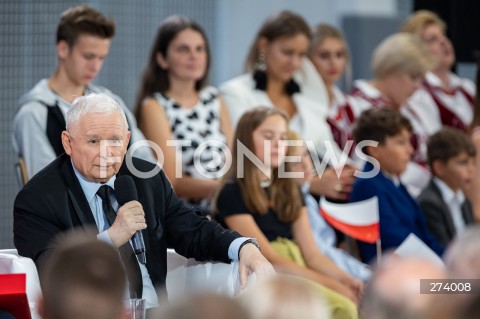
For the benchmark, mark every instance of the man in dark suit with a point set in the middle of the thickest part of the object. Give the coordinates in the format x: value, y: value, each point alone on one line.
x: 66, y: 194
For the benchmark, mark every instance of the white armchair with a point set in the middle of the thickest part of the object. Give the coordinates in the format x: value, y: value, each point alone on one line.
x: 12, y: 263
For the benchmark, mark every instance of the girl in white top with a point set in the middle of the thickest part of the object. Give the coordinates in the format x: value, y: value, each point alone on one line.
x: 329, y: 54
x: 443, y: 95
x: 174, y: 104
x: 276, y: 55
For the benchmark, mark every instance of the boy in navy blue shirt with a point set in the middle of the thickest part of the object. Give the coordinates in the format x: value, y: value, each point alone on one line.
x: 399, y: 214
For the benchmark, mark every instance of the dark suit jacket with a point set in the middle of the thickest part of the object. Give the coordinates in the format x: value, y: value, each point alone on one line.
x: 438, y: 215
x: 399, y: 214
x: 53, y: 202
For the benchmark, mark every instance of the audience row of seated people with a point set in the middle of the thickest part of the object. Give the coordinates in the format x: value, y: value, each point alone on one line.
x: 290, y: 84
x: 85, y: 279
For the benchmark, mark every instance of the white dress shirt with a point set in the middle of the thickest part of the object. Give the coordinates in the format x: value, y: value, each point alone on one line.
x: 454, y: 201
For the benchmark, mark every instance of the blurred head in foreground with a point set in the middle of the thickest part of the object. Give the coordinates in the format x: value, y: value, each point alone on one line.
x: 203, y: 306
x: 394, y: 290
x: 85, y: 279
x: 284, y: 297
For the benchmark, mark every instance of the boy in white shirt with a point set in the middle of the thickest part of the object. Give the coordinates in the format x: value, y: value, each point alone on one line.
x: 451, y: 156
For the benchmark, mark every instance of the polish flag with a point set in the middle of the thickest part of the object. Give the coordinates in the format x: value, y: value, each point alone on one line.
x: 358, y: 220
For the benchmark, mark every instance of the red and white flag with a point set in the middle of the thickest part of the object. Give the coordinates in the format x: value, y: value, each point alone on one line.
x: 358, y: 220
x: 13, y: 296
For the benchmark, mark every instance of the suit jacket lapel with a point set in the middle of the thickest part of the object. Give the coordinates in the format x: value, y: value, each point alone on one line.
x: 445, y: 211
x: 81, y: 210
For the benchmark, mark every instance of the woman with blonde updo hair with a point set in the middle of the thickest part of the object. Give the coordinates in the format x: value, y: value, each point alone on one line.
x: 446, y: 97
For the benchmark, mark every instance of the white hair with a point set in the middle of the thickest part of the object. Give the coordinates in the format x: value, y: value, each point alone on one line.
x: 401, y: 53
x: 93, y: 103
x: 285, y: 297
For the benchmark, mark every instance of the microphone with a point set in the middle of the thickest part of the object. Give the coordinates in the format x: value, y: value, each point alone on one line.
x: 125, y: 191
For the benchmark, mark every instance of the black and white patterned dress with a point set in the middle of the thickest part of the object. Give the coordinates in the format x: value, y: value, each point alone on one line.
x: 199, y: 128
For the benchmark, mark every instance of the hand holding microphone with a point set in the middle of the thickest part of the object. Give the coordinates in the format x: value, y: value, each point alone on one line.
x: 130, y: 216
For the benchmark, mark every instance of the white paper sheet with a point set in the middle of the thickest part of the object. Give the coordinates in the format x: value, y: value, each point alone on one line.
x: 413, y: 246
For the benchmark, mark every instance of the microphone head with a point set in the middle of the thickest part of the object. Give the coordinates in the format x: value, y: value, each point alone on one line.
x: 125, y: 189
